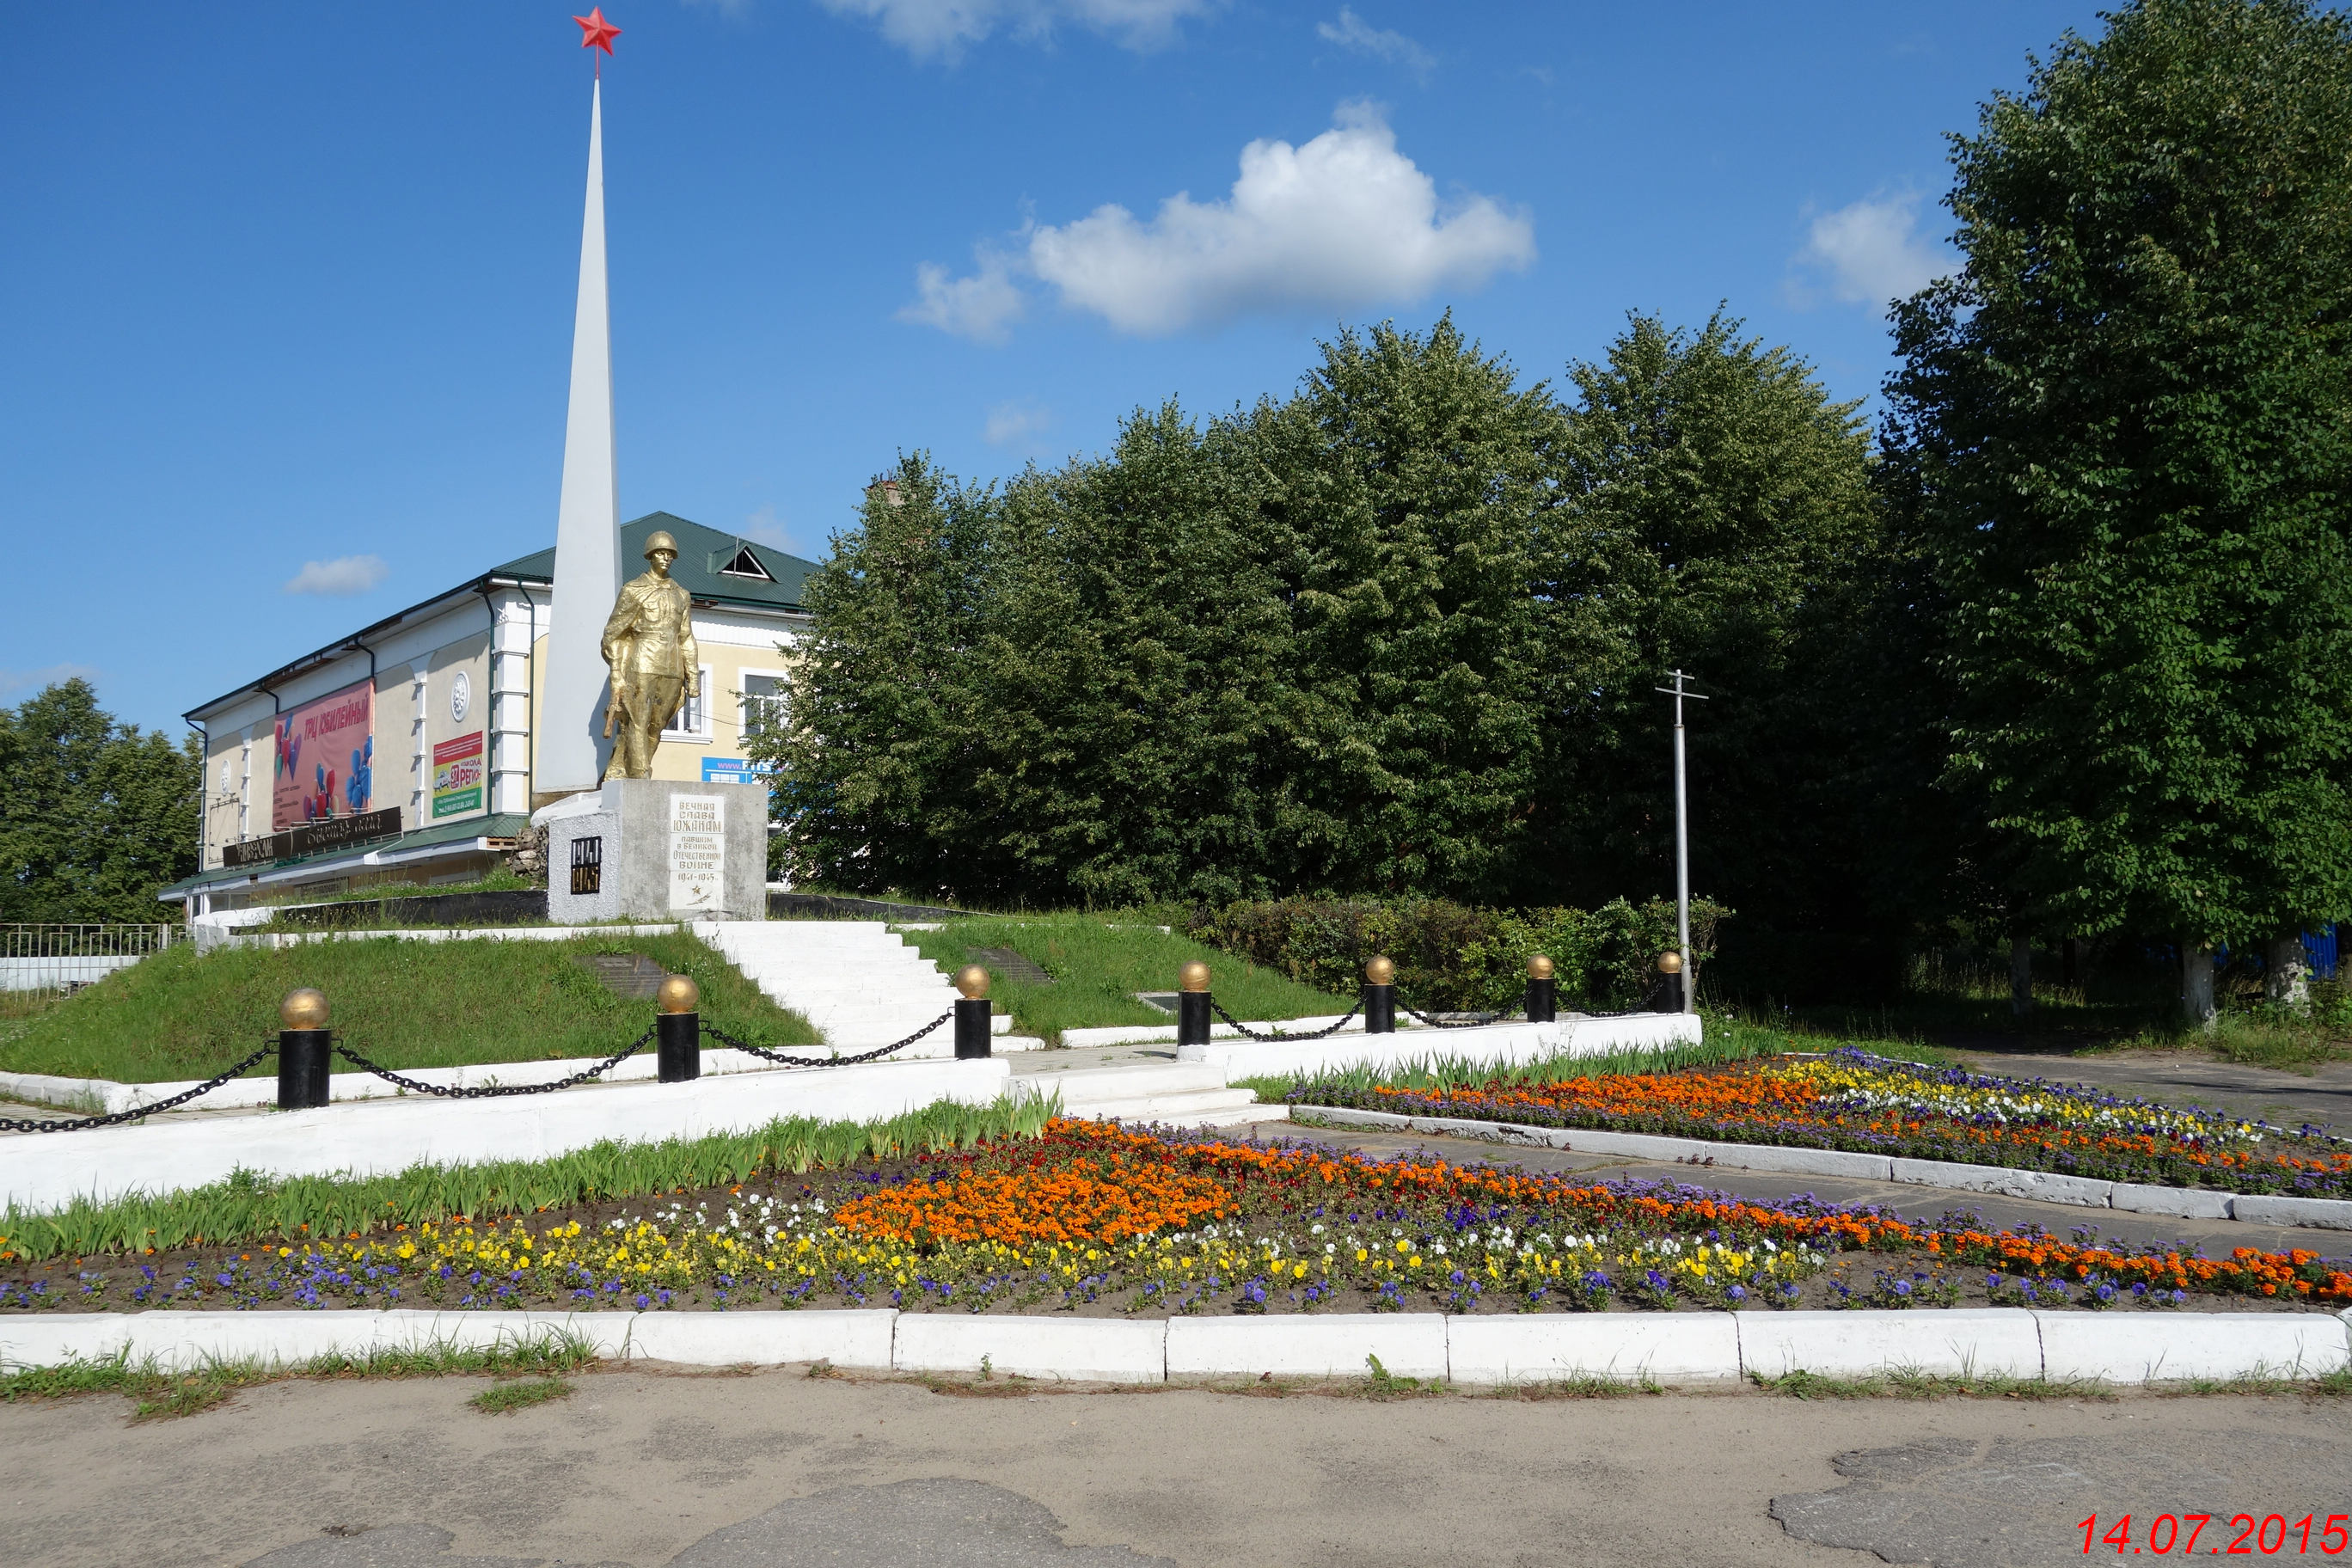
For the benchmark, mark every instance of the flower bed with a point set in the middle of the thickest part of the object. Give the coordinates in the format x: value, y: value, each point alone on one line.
x: 1095, y: 1218
x: 1854, y: 1101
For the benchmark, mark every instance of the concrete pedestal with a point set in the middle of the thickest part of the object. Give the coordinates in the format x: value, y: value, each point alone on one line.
x: 657, y: 849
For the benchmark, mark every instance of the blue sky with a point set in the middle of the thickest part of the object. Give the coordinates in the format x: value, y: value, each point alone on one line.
x: 286, y: 300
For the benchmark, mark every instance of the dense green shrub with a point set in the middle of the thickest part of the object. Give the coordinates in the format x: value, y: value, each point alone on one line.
x: 1454, y: 956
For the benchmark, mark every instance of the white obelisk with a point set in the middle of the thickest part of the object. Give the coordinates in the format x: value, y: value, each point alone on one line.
x: 572, y: 751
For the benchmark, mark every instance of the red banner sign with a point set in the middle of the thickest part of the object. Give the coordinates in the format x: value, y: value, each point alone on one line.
x: 326, y: 756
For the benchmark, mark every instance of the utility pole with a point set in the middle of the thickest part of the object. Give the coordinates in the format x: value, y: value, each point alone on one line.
x: 1682, y: 840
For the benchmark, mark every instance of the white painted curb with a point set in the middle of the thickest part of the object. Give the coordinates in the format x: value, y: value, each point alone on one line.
x: 2045, y: 1186
x: 1090, y: 1349
x: 2121, y: 1347
x: 1410, y: 1344
x: 1495, y: 1043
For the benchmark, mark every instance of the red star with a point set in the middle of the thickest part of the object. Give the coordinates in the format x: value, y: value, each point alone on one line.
x: 595, y: 32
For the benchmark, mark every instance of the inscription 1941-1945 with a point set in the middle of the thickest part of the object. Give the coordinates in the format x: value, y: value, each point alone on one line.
x: 697, y: 852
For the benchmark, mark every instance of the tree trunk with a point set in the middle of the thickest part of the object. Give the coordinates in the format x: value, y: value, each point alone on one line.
x: 2020, y: 976
x: 2287, y: 974
x: 2197, y: 984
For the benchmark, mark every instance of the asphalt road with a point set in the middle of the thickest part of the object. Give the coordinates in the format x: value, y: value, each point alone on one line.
x: 721, y: 1470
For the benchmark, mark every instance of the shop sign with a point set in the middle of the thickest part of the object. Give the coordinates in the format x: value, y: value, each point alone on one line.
x: 457, y: 775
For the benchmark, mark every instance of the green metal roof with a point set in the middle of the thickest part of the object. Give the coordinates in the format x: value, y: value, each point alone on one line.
x: 498, y: 824
x: 703, y: 556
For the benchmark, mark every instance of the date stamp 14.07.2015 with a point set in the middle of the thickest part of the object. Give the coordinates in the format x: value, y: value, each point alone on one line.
x: 2211, y: 1535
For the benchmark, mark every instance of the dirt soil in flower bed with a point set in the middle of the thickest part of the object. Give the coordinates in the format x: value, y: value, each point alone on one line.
x: 1095, y: 1220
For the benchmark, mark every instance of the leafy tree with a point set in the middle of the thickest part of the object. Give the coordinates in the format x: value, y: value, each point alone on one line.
x: 94, y: 816
x: 871, y: 765
x: 1412, y: 493
x: 1394, y: 635
x: 2126, y: 420
x: 1717, y: 516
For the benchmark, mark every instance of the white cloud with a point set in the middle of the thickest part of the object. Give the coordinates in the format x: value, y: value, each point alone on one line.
x: 925, y: 28
x: 1343, y: 222
x: 1352, y: 32
x: 342, y: 576
x: 982, y: 307
x: 1016, y: 424
x: 1871, y: 252
x: 43, y: 679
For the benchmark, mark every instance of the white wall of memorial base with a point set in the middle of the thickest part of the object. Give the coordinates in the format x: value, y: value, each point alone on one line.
x: 2127, y: 1348
x: 2192, y: 1203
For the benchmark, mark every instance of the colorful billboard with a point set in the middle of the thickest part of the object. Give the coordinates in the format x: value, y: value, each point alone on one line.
x: 457, y: 774
x: 326, y: 756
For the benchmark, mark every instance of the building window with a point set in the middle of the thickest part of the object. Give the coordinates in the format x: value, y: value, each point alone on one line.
x: 743, y: 564
x: 763, y: 705
x: 692, y: 719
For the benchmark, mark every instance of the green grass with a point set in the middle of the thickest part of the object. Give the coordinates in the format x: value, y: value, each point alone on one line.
x: 161, y: 1395
x: 1438, y: 1071
x: 403, y: 1003
x: 501, y: 1397
x: 1099, y: 962
x: 248, y: 1208
x: 1915, y: 1384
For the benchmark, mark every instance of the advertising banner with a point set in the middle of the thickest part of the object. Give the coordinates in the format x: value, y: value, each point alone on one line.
x: 728, y: 770
x: 326, y: 756
x: 457, y: 773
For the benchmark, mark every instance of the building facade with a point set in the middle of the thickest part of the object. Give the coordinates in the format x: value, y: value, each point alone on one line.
x: 403, y: 756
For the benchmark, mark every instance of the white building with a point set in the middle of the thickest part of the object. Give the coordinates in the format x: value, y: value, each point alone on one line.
x: 403, y: 753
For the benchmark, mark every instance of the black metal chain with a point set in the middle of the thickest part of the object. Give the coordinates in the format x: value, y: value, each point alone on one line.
x: 1441, y: 1022
x: 1279, y: 1035
x: 493, y: 1090
x: 26, y: 1124
x: 764, y: 1053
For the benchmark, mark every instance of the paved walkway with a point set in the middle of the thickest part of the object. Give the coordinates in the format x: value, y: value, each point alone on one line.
x: 2287, y: 1099
x: 775, y: 1469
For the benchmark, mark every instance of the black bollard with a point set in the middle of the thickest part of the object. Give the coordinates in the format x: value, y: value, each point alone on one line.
x: 1379, y: 997
x: 1670, y: 982
x: 678, y: 1030
x: 1192, y: 1004
x: 975, y: 1037
x: 305, y: 1051
x: 1543, y: 991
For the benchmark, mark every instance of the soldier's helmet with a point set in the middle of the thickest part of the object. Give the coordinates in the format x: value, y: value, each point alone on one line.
x: 660, y: 540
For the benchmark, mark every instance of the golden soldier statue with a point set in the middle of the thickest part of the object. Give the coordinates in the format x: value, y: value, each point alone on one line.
x: 649, y: 644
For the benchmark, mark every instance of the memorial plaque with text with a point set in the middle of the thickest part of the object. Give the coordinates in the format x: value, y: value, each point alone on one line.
x: 697, y: 852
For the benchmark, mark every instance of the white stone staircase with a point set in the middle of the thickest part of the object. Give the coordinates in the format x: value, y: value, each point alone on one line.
x: 861, y: 984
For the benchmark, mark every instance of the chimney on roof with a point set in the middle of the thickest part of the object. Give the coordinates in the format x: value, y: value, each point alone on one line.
x: 887, y: 489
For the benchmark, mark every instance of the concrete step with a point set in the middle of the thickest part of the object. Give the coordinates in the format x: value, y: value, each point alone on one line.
x: 1147, y: 1078
x: 1218, y: 1108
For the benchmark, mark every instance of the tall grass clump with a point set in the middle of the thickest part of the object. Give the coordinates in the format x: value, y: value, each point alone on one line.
x: 248, y: 1207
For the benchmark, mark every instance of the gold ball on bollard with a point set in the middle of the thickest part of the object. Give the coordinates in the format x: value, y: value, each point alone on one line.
x: 1539, y: 967
x: 1670, y: 964
x: 304, y: 1008
x: 679, y: 994
x: 971, y: 981
x: 1193, y: 976
x: 1380, y: 972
